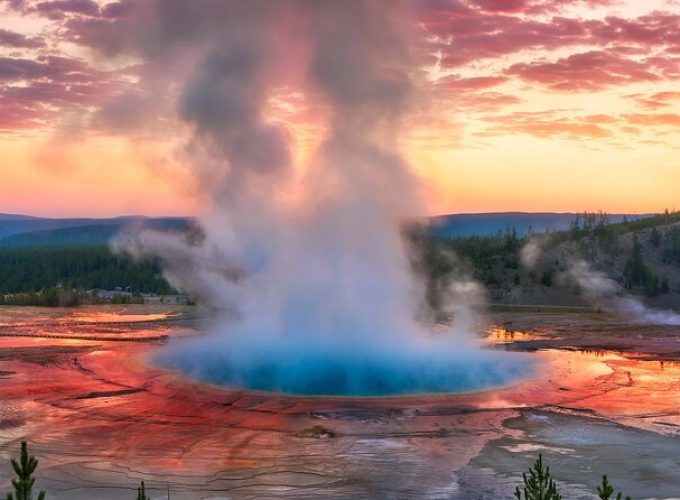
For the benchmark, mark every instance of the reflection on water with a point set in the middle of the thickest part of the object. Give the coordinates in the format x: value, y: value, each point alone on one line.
x: 115, y: 317
x: 500, y: 334
x: 639, y: 392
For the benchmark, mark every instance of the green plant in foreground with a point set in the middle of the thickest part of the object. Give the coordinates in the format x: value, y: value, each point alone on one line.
x: 538, y: 485
x: 606, y: 491
x: 24, y: 469
x: 141, y: 493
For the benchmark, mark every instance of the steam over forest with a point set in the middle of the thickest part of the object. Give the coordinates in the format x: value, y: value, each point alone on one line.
x: 643, y: 255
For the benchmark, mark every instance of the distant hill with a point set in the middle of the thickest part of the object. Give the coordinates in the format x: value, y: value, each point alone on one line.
x: 489, y: 224
x: 26, y: 231
x: 17, y: 224
x: 95, y: 234
x: 15, y: 217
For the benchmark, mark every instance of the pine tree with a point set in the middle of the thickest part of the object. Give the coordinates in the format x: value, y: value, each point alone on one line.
x: 24, y: 469
x: 606, y: 491
x: 538, y: 485
x: 651, y: 284
x: 635, y: 269
x: 141, y: 493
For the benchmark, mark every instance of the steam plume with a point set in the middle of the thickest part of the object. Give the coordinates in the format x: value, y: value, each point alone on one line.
x: 317, y: 297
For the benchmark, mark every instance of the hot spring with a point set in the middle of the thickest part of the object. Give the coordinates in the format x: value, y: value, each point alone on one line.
x: 433, y: 366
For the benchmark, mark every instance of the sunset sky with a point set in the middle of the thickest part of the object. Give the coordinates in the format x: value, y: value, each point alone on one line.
x: 523, y: 105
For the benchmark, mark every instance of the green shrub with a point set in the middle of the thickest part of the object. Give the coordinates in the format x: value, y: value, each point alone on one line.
x: 538, y: 485
x: 24, y: 469
x: 141, y: 493
x: 606, y: 491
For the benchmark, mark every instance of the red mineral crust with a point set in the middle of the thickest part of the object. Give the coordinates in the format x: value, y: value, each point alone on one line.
x: 81, y: 388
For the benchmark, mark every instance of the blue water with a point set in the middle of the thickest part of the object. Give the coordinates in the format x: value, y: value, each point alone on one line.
x: 346, y: 371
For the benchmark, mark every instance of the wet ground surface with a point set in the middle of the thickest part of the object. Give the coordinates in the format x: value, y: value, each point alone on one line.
x: 77, y: 384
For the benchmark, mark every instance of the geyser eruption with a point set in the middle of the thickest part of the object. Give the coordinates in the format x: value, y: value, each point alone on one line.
x: 315, y: 295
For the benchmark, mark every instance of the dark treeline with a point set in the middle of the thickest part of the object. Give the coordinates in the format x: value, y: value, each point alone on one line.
x: 598, y: 225
x: 65, y: 297
x: 48, y: 297
x: 60, y: 276
x: 672, y: 253
x: 42, y: 273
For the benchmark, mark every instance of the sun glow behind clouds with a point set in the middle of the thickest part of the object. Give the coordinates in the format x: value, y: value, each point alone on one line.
x: 100, y: 177
x: 533, y: 105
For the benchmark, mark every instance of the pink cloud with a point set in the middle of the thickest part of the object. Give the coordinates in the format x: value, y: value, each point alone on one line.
x: 19, y: 116
x: 657, y: 28
x: 456, y: 83
x: 548, y: 125
x: 671, y: 95
x: 57, y: 9
x: 456, y: 33
x: 599, y: 119
x: 468, y: 38
x: 587, y: 71
x: 502, y: 5
x: 118, y: 9
x: 656, y: 100
x: 49, y: 85
x: 654, y: 120
x: 17, y: 40
x: 465, y: 33
x: 484, y: 102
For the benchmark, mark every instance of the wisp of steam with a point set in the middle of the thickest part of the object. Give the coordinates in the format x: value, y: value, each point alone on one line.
x: 318, y: 294
x: 603, y: 291
x: 610, y: 296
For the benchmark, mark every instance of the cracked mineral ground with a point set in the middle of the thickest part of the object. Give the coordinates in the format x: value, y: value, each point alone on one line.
x: 81, y: 388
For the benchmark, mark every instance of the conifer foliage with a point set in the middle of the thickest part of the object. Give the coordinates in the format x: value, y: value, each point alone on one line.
x: 606, y: 491
x: 141, y: 493
x: 24, y: 469
x: 538, y: 484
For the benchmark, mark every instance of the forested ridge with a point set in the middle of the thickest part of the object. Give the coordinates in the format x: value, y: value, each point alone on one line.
x: 642, y: 255
x: 24, y: 270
